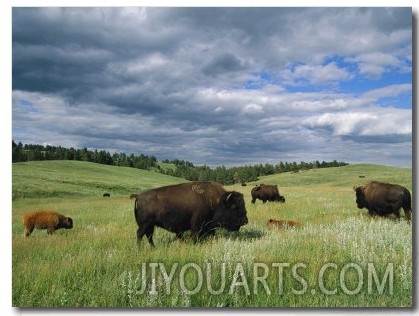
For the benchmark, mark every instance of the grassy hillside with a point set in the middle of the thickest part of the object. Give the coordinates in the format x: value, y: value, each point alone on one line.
x: 97, y: 262
x: 347, y: 176
x: 76, y: 179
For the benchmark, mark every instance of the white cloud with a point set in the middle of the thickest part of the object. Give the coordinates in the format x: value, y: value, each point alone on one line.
x: 375, y: 64
x: 317, y: 74
x: 253, y: 108
x: 376, y: 122
x: 388, y: 91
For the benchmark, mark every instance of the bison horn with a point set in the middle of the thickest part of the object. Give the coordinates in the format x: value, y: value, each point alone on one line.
x: 228, y: 196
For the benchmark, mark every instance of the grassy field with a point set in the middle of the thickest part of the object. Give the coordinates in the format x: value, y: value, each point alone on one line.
x: 340, y: 257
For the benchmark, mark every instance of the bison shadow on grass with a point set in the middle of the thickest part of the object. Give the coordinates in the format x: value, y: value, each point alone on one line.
x: 247, y: 234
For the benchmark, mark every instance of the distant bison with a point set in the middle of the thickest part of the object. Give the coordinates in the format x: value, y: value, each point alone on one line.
x: 49, y: 220
x: 106, y: 194
x: 384, y: 198
x: 133, y: 196
x: 200, y: 207
x: 266, y: 192
x: 273, y: 223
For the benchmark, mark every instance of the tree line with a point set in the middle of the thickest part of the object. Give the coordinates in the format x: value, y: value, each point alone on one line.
x: 29, y: 152
x: 177, y: 168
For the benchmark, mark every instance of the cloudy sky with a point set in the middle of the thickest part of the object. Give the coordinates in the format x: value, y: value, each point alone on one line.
x: 217, y: 86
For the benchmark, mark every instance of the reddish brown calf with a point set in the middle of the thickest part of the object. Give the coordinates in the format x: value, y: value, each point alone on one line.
x: 49, y: 220
x: 273, y: 223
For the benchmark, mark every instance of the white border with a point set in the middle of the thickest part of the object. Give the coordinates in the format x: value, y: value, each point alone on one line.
x: 6, y: 135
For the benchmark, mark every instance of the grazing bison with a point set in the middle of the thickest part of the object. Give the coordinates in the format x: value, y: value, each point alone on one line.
x: 106, y: 194
x: 273, y: 223
x: 196, y: 206
x: 266, y: 192
x: 384, y: 199
x: 134, y: 195
x: 49, y: 220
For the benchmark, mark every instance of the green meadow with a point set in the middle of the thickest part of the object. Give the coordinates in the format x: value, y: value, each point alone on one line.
x: 339, y: 257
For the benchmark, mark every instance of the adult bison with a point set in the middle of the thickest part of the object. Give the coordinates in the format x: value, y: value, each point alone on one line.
x: 384, y: 199
x: 266, y: 192
x: 49, y: 220
x: 196, y: 206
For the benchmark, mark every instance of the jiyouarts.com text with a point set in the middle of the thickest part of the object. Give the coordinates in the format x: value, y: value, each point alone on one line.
x: 276, y: 278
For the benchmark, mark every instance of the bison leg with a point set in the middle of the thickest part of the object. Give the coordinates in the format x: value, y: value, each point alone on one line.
x: 202, y: 233
x: 50, y: 230
x: 407, y: 205
x: 195, y: 234
x: 200, y: 229
x: 145, y: 230
x: 149, y: 234
x: 408, y: 213
x: 28, y: 231
x: 140, y: 235
x: 254, y: 200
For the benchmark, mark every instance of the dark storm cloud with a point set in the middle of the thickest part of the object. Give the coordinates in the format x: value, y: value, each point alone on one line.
x: 222, y: 64
x: 174, y: 82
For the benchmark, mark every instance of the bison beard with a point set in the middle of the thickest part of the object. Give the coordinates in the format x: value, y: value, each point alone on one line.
x: 384, y: 199
x: 49, y: 220
x: 196, y: 206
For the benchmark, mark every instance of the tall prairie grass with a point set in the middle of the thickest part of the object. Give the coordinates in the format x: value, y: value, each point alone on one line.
x: 339, y: 257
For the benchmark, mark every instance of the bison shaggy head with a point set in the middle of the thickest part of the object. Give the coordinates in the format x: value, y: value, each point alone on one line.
x: 231, y: 211
x: 68, y: 223
x: 360, y: 197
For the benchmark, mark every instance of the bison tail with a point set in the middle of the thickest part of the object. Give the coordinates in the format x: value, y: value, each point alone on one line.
x: 136, y: 209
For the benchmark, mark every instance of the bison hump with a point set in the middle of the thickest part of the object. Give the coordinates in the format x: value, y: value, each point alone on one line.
x: 198, y: 188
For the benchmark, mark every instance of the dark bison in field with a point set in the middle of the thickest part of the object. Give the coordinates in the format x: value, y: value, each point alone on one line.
x: 106, y: 194
x: 266, y: 192
x: 273, y: 223
x: 49, y: 220
x: 384, y: 199
x: 196, y: 206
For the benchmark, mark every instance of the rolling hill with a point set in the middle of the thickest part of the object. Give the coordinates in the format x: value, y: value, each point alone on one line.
x: 97, y: 263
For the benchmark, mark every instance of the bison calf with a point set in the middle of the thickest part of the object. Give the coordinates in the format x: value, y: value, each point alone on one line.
x: 196, y: 206
x: 49, y: 220
x: 273, y: 223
